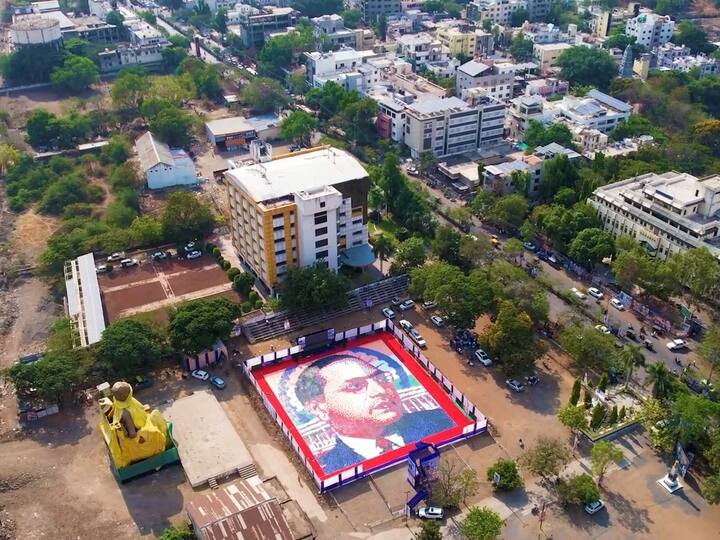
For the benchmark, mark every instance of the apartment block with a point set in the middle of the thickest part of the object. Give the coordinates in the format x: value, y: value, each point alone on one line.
x: 666, y: 213
x: 421, y: 49
x: 494, y: 82
x: 256, y: 24
x: 373, y: 9
x: 596, y: 110
x: 498, y: 11
x: 347, y: 67
x: 330, y: 30
x: 464, y: 39
x: 548, y: 53
x: 650, y: 29
x: 297, y: 210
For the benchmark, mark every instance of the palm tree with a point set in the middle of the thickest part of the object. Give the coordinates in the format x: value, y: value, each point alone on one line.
x: 631, y: 356
x: 383, y: 247
x: 661, y: 379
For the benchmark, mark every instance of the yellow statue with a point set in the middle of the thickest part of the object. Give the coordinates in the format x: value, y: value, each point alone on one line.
x: 131, y: 434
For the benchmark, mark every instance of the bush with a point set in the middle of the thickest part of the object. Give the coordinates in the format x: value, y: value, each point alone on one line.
x: 243, y: 283
x: 216, y: 252
x: 220, y: 260
x: 402, y: 234
x: 613, y: 416
x: 509, y: 475
x: 258, y: 304
x: 621, y: 415
x: 587, y: 398
x: 232, y: 273
x: 247, y: 307
x: 253, y: 296
x: 598, y: 413
x: 575, y: 394
x: 225, y: 265
x: 602, y: 385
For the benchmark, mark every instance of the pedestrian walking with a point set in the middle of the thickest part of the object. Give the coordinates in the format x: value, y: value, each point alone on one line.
x: 522, y: 444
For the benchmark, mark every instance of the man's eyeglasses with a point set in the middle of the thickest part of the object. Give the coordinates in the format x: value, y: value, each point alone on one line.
x: 357, y: 386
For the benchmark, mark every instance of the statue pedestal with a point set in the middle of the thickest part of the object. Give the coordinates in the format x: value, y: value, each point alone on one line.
x: 670, y: 484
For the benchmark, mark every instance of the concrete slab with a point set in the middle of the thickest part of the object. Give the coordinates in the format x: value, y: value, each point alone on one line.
x: 208, y: 444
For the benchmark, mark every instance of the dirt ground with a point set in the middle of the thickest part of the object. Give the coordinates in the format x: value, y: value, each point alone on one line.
x: 30, y: 235
x: 20, y: 105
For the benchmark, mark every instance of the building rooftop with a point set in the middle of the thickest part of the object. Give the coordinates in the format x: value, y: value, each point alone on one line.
x: 554, y: 149
x: 152, y: 152
x: 609, y: 101
x: 474, y: 68
x: 84, y: 301
x: 302, y: 171
x: 552, y: 46
x: 435, y: 105
x: 228, y: 126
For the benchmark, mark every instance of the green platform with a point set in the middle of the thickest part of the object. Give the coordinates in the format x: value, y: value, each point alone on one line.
x: 155, y: 463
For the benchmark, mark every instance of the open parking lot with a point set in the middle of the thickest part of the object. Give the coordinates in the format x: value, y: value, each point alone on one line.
x: 152, y: 285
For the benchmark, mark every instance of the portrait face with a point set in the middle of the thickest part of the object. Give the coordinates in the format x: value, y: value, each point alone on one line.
x: 358, y: 399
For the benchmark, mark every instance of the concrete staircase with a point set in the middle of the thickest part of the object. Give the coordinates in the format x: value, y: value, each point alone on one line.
x: 377, y: 293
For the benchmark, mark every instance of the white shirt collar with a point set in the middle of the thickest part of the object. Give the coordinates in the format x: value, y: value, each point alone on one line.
x: 368, y: 448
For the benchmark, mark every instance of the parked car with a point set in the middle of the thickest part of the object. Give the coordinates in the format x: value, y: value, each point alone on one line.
x: 430, y: 512
x: 594, y: 507
x: 388, y: 313
x: 429, y: 305
x: 483, y: 358
x: 532, y: 380
x: 159, y: 256
x: 552, y: 261
x: 406, y: 325
x: 514, y: 385
x: 602, y: 329
x: 677, y: 344
x: 191, y: 246
x: 396, y: 301
x: 217, y: 381
x: 412, y: 171
x: 529, y: 246
x: 595, y: 293
x: 579, y: 295
x: 194, y: 254
x: 117, y: 256
x: 200, y: 374
x: 407, y: 304
x: 127, y: 263
x: 417, y: 338
x: 103, y: 269
x: 141, y: 382
x: 630, y: 334
x: 437, y: 320
x: 617, y: 304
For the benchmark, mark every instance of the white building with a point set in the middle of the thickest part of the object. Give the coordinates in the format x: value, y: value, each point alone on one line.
x: 596, y: 110
x: 131, y: 55
x: 141, y: 33
x: 522, y: 111
x: 449, y: 126
x: 498, y: 11
x: 330, y: 30
x: 84, y: 304
x: 163, y: 167
x: 666, y: 213
x: 421, y: 49
x: 347, y: 67
x: 650, y: 30
x: 479, y: 74
x: 300, y: 209
x: 679, y: 58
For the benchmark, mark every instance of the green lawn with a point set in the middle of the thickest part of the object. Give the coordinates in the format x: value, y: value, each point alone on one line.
x: 385, y: 226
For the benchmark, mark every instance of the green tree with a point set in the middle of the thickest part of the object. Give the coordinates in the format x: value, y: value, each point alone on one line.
x: 115, y: 18
x: 429, y: 530
x: 9, y: 156
x: 298, y: 126
x: 518, y: 17
x: 572, y: 417
x: 351, y: 18
x: 697, y: 271
x: 575, y: 394
x: 409, y: 254
x: 40, y: 127
x: 509, y: 475
x: 178, y: 532
x: 173, y: 126
x: 29, y: 65
x: 511, y: 340
x: 694, y: 417
x: 557, y: 172
x: 587, y: 346
x: 711, y: 489
x: 243, y: 283
x: 602, y: 384
x: 446, y: 244
x: 148, y: 16
x: 275, y: 55
x: 481, y: 524
x: 693, y: 36
x: 591, y: 246
x: 129, y: 346
x: 539, y: 135
x: 597, y: 416
x: 613, y: 418
x: 631, y: 356
x: 454, y: 484
x: 185, y: 218
x: 521, y: 48
x: 357, y: 120
x: 547, y: 458
x: 220, y: 21
x: 621, y: 41
x: 314, y: 287
x: 52, y: 377
x: 116, y: 152
x: 264, y: 95
x: 146, y: 231
x: 578, y: 489
x: 128, y: 90
x: 195, y: 326
x: 661, y: 379
x: 508, y: 211
x: 710, y: 349
x: 383, y: 247
x: 76, y: 74
x: 587, y: 66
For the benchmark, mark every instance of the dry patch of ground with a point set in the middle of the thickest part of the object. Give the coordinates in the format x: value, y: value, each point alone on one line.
x: 30, y: 235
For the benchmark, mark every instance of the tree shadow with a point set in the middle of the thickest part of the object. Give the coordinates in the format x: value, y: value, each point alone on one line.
x: 627, y: 512
x: 67, y: 427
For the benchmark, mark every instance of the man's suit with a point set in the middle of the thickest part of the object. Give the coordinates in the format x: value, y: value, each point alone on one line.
x: 411, y: 427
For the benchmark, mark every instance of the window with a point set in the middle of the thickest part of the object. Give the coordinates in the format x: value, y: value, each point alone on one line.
x: 321, y: 255
x: 321, y: 243
x: 320, y: 217
x: 322, y: 204
x: 320, y: 231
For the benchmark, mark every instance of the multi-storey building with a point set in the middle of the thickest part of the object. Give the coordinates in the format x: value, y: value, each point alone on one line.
x: 548, y: 53
x: 330, y: 31
x: 449, y: 126
x: 373, y: 9
x: 494, y: 82
x: 347, y: 67
x: 421, y: 49
x: 650, y: 29
x: 596, y: 110
x: 679, y: 58
x: 255, y: 24
x: 521, y: 112
x: 538, y: 8
x: 666, y: 213
x: 297, y: 210
x: 498, y: 11
x: 463, y: 39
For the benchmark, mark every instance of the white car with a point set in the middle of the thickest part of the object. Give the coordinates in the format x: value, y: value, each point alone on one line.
x: 127, y: 263
x: 595, y: 293
x: 515, y: 385
x: 580, y: 295
x: 388, y: 313
x: 194, y: 254
x: 417, y: 338
x: 102, y: 269
x: 406, y: 325
x: 437, y: 320
x: 430, y: 512
x: 407, y: 304
x: 200, y: 374
x: 594, y: 507
x: 677, y: 344
x: 617, y: 304
x: 117, y: 256
x: 602, y: 329
x: 483, y: 358
x: 429, y: 305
